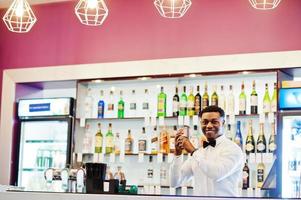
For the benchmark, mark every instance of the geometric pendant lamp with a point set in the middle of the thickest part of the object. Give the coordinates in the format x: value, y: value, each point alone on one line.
x: 264, y: 4
x: 172, y: 8
x: 91, y: 12
x: 19, y: 18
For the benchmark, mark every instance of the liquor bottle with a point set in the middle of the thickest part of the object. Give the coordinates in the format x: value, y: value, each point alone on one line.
x: 266, y: 100
x: 246, y: 176
x: 145, y: 103
x: 88, y: 104
x: 175, y: 104
x: 238, y: 136
x: 111, y: 102
x: 183, y: 103
x: 172, y: 142
x: 155, y: 142
x: 272, y: 140
x: 261, y: 141
x: 109, y: 174
x: 197, y: 101
x: 133, y: 104
x: 98, y: 140
x: 117, y: 144
x: 242, y: 100
x: 109, y: 140
x: 164, y: 141
x: 260, y: 174
x: 119, y: 175
x: 120, y: 113
x: 231, y: 101
x: 88, y: 140
x: 164, y: 178
x: 190, y: 103
x: 254, y: 99
x: 128, y: 144
x: 100, y: 106
x: 161, y: 111
x: 195, y: 137
x: 250, y: 142
x: 150, y: 171
x: 205, y: 100
x: 222, y: 99
x: 274, y: 99
x: 229, y: 134
x: 142, y: 142
x: 214, y: 97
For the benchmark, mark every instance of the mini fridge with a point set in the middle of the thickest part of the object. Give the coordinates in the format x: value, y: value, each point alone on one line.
x: 46, y: 127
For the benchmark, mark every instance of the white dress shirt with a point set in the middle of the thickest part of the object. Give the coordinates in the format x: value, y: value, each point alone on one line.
x: 217, y: 170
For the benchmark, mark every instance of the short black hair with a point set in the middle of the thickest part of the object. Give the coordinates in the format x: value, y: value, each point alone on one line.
x: 213, y: 109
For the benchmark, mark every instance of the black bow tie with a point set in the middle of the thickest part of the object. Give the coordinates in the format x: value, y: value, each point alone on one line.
x: 211, y: 143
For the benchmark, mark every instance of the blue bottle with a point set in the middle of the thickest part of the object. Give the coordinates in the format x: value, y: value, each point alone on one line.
x: 238, y: 136
x: 100, y: 106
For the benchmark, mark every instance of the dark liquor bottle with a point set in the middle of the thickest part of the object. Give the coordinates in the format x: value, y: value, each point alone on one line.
x: 246, y: 176
x: 250, y: 142
x: 254, y: 100
x: 197, y: 101
x: 175, y: 104
x: 261, y: 141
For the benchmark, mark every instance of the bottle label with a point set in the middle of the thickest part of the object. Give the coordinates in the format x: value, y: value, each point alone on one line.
x: 100, y: 110
x: 132, y: 106
x: 109, y: 142
x: 242, y: 104
x: 249, y: 147
x: 197, y: 104
x: 266, y: 107
x: 274, y: 106
x: 128, y: 146
x: 260, y: 175
x: 98, y: 141
x: 120, y: 106
x: 145, y: 106
x: 142, y: 145
x: 190, y: 104
x: 272, y: 147
x: 110, y: 106
x: 175, y: 106
x: 214, y: 102
x: 245, y: 175
x: 161, y: 105
x: 183, y: 104
x: 260, y: 147
x: 205, y: 103
x: 254, y: 100
x: 150, y: 173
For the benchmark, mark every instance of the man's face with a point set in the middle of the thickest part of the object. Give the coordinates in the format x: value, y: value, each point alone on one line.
x: 212, y: 125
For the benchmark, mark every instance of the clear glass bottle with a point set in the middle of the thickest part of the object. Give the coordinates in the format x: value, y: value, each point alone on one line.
x: 231, y: 102
x: 111, y: 102
x: 242, y: 100
x: 195, y: 137
x: 190, y: 103
x: 120, y: 113
x: 229, y: 134
x: 155, y: 142
x: 117, y: 144
x: 109, y: 140
x: 175, y: 104
x: 98, y: 140
x: 142, y: 142
x: 222, y: 99
x: 161, y: 108
x: 133, y: 104
x: 88, y: 104
x: 100, y: 106
x: 183, y: 103
x: 145, y: 103
x: 254, y: 99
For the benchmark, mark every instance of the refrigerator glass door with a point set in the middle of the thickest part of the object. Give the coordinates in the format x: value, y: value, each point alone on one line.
x: 43, y: 144
x: 291, y: 156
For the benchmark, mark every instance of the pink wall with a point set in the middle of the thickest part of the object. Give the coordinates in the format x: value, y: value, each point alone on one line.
x: 134, y: 30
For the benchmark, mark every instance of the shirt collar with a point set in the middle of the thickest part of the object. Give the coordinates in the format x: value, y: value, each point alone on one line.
x: 219, y: 139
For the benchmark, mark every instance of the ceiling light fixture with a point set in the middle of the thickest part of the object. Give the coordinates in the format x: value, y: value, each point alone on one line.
x: 19, y: 18
x: 264, y: 4
x: 172, y: 8
x: 91, y: 12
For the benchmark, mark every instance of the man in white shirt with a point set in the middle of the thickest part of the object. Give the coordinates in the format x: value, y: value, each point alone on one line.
x: 216, y: 166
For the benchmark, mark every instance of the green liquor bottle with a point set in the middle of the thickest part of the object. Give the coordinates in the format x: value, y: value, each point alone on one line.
x: 161, y: 109
x: 274, y: 99
x: 109, y: 140
x: 120, y: 107
x: 266, y: 100
x: 183, y: 103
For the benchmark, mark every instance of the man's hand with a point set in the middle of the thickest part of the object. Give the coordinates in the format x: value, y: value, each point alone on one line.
x: 182, y: 142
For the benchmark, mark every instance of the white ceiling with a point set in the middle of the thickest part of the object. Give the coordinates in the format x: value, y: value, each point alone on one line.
x: 6, y: 3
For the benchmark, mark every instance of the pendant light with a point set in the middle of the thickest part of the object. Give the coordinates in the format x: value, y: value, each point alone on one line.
x: 19, y: 18
x: 91, y: 12
x: 264, y: 4
x: 172, y: 8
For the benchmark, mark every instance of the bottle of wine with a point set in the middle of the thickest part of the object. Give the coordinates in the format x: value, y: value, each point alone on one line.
x: 161, y: 110
x: 172, y: 141
x: 155, y: 142
x: 274, y: 99
x: 190, y: 103
x: 261, y: 141
x: 128, y: 144
x: 260, y: 174
x: 250, y: 142
x: 109, y: 140
x: 242, y: 100
x: 214, y: 97
x: 205, y: 100
x: 183, y: 103
x: 164, y: 141
x: 98, y: 140
x: 117, y: 144
x: 266, y: 100
x: 238, y: 135
x: 272, y: 140
x: 229, y: 134
x: 88, y: 104
x: 246, y: 176
x: 197, y: 101
x: 120, y: 113
x: 175, y: 104
x: 222, y: 99
x: 111, y: 102
x: 254, y: 100
x: 100, y: 106
x: 231, y: 101
x: 142, y: 142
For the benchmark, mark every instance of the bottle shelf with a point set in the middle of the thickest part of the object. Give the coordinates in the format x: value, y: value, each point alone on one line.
x: 45, y: 141
x: 33, y: 169
x: 163, y: 186
x: 133, y: 154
